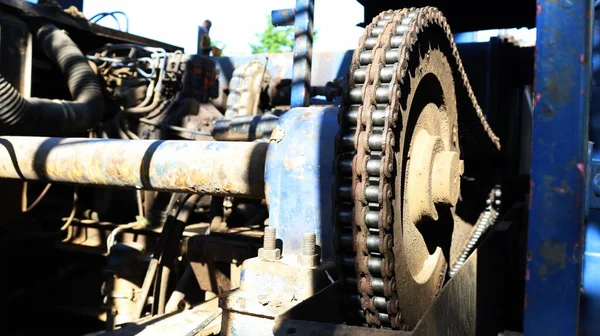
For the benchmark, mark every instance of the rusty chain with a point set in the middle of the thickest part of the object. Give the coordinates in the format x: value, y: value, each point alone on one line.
x: 365, y: 155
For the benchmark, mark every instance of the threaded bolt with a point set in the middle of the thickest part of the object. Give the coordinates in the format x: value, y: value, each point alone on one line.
x: 270, y: 238
x: 309, y: 244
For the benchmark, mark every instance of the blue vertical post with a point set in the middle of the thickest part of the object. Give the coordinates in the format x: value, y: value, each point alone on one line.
x: 558, y: 167
x: 303, y: 40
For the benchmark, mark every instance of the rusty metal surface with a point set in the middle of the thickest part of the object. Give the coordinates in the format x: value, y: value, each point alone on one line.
x: 216, y: 168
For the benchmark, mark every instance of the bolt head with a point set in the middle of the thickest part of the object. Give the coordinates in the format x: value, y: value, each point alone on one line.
x: 269, y: 255
x: 309, y: 260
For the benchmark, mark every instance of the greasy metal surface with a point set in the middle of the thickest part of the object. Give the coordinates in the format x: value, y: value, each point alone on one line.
x: 303, y: 40
x: 562, y: 93
x: 247, y: 89
x: 299, y: 178
x: 205, y: 167
x: 245, y: 128
x: 376, y: 122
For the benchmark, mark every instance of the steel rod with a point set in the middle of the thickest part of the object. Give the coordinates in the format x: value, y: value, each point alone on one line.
x: 204, y: 167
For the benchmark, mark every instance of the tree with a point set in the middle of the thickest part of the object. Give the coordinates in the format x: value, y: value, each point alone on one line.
x: 275, y: 39
x: 218, y: 44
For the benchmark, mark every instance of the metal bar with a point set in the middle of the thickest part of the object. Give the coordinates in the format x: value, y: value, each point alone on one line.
x: 205, y: 167
x: 558, y: 173
x: 283, y: 17
x: 244, y: 128
x: 303, y: 33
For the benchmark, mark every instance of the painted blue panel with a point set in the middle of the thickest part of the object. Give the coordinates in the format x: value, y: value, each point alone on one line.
x: 558, y: 174
x: 299, y: 178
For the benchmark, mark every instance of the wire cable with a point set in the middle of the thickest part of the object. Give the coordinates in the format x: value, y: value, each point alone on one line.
x: 24, y: 207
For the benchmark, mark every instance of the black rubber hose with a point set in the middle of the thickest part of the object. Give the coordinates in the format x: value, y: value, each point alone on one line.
x: 54, y: 117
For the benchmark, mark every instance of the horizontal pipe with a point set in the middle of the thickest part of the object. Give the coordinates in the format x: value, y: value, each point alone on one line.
x: 244, y: 128
x: 205, y: 167
x: 283, y: 17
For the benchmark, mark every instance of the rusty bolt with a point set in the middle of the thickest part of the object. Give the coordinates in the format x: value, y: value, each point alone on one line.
x: 270, y: 238
x: 309, y: 256
x: 269, y: 251
x: 309, y: 244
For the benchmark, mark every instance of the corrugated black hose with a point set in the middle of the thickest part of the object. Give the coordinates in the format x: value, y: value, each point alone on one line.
x: 55, y: 117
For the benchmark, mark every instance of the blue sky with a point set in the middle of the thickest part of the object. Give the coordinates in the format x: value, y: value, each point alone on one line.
x: 235, y: 22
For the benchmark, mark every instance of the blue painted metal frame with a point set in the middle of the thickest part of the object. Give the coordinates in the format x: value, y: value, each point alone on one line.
x: 558, y: 167
x: 590, y: 298
x: 299, y: 178
x: 283, y: 17
x: 303, y: 40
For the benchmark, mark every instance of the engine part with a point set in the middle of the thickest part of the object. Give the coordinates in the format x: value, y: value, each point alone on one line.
x: 125, y: 273
x: 201, y: 79
x: 51, y: 117
x: 247, y: 90
x: 141, y: 164
x: 406, y: 81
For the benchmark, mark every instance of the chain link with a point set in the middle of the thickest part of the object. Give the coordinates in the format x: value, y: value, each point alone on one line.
x: 365, y: 161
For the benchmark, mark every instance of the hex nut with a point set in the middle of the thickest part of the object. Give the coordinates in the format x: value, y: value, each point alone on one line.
x: 269, y: 255
x: 309, y: 260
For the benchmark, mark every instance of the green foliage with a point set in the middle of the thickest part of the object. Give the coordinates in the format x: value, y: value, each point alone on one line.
x: 218, y: 44
x: 275, y: 39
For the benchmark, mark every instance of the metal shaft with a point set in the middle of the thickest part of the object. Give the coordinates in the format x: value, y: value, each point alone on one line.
x: 205, y: 167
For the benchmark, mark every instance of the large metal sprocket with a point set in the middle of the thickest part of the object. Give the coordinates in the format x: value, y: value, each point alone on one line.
x: 409, y: 120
